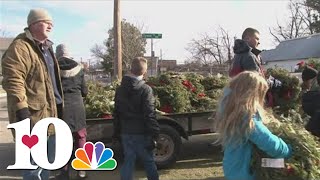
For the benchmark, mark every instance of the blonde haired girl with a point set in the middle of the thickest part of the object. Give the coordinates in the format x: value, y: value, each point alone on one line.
x: 239, y: 123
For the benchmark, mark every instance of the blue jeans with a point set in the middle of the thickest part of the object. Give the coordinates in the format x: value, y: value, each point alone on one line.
x: 135, y: 146
x: 42, y: 174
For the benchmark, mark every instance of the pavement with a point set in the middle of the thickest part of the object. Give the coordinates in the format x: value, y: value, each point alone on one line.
x: 6, y: 143
x: 5, y: 134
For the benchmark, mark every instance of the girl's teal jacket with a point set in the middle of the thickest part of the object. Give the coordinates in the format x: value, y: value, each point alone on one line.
x: 236, y: 160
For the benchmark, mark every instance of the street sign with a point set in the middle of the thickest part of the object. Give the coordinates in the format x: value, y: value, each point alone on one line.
x: 152, y: 35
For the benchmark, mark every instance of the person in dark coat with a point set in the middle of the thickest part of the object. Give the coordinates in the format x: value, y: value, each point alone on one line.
x: 135, y: 121
x: 309, y: 80
x: 311, y: 105
x: 74, y: 88
x: 247, y: 58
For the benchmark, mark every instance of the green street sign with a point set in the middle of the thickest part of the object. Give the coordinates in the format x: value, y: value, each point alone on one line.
x: 152, y: 35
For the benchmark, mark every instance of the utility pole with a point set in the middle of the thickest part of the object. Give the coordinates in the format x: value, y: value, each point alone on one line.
x: 157, y: 64
x: 152, y: 36
x: 151, y: 57
x: 117, y: 41
x: 160, y: 61
x: 89, y: 69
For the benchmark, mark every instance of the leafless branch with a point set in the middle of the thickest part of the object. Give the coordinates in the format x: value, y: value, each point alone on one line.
x: 298, y: 25
x: 212, y: 49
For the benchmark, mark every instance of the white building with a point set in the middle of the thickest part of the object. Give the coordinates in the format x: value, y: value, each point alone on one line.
x: 290, y: 52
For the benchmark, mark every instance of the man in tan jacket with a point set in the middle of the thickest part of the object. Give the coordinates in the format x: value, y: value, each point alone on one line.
x: 32, y: 81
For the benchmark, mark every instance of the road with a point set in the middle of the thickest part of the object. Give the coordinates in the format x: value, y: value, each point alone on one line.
x: 195, y: 150
x: 6, y: 143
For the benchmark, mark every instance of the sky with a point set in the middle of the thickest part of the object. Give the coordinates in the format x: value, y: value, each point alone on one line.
x: 81, y: 24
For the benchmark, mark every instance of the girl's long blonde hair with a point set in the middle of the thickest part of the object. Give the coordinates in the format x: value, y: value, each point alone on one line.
x: 233, y: 121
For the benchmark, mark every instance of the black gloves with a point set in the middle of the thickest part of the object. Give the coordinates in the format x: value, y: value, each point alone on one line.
x: 22, y: 114
x: 116, y: 138
x: 151, y: 145
x: 155, y: 137
x: 153, y: 142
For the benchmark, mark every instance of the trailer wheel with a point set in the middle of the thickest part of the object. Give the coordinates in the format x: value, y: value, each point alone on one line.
x: 168, y: 147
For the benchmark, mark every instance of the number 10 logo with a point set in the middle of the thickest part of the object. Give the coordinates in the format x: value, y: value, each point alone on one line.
x: 35, y: 144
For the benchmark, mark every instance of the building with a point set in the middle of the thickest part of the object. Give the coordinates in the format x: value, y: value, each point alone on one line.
x: 167, y: 65
x: 157, y: 66
x: 205, y: 70
x: 290, y: 52
x: 4, y: 44
x: 152, y: 70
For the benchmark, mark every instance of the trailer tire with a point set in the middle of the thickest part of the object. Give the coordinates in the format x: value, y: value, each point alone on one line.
x: 168, y: 146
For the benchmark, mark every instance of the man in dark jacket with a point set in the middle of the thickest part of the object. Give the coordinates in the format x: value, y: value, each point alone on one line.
x: 247, y: 58
x: 135, y: 121
x: 246, y: 53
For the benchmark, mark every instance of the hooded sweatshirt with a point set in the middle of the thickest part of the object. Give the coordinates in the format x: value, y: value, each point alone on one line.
x: 135, y: 108
x: 245, y: 59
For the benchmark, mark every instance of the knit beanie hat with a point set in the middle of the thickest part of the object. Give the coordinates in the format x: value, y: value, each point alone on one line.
x: 62, y: 51
x: 36, y: 15
x: 309, y: 73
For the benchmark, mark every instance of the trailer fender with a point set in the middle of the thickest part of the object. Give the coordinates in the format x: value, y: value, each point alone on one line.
x: 171, y: 122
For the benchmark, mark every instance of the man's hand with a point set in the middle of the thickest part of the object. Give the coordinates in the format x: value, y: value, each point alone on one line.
x: 153, y: 142
x: 22, y: 114
x: 151, y: 145
x: 116, y: 138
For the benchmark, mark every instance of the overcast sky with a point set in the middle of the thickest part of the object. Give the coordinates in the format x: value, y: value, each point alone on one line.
x: 80, y: 24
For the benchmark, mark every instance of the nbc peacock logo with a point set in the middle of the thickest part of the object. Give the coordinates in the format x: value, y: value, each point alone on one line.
x: 94, y: 157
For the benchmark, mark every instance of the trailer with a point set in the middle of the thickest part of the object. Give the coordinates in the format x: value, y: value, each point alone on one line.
x: 173, y: 127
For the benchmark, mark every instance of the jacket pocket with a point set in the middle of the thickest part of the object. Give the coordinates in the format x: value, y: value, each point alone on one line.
x: 36, y: 73
x: 38, y: 111
x: 36, y: 106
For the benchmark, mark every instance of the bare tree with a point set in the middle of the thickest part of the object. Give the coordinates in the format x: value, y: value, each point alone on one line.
x: 298, y: 25
x: 307, y: 15
x: 98, y: 51
x: 200, y: 51
x: 4, y: 33
x: 227, y: 43
x: 209, y: 50
x: 314, y: 15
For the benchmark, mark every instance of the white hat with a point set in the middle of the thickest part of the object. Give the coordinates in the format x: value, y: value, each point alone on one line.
x: 62, y: 51
x: 36, y: 15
